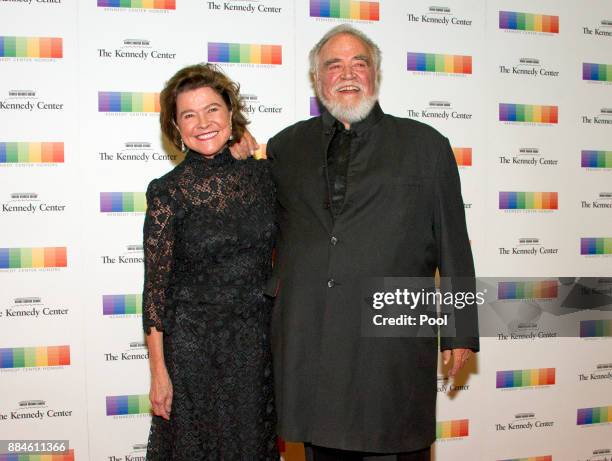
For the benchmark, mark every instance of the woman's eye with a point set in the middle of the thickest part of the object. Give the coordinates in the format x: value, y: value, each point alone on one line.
x: 213, y: 109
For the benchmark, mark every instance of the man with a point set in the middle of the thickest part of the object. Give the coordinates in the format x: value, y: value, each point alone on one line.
x: 360, y: 194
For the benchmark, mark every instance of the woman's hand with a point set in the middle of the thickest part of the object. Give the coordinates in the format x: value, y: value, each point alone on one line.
x: 160, y: 394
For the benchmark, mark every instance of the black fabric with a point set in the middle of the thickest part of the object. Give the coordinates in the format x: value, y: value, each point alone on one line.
x: 208, y: 236
x: 402, y: 216
x: 337, y: 166
x: 332, y: 454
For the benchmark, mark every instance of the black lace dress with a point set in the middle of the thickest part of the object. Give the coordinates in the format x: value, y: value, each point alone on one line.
x: 208, y: 238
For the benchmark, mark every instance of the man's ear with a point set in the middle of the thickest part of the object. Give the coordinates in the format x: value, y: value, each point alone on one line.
x: 314, y: 80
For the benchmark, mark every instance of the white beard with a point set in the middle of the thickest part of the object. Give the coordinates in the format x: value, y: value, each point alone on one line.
x: 349, y: 114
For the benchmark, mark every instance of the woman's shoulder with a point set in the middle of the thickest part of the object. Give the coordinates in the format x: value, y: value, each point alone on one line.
x: 260, y: 168
x: 262, y: 165
x: 167, y: 182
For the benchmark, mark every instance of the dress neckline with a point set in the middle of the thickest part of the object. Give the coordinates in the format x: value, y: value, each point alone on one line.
x: 222, y: 158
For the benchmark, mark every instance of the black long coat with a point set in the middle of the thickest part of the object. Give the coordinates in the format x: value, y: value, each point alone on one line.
x: 403, y: 215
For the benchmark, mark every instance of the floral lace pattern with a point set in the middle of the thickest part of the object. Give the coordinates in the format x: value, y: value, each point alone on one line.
x: 208, y: 237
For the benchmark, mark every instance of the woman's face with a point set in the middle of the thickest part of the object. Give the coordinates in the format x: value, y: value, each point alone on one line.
x: 203, y: 120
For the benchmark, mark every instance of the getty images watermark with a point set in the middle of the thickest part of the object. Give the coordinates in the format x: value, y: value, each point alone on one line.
x: 504, y: 308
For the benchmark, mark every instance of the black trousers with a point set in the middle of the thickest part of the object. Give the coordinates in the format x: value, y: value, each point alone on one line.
x: 332, y: 454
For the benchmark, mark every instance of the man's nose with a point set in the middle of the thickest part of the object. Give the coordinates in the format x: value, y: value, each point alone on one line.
x: 347, y: 72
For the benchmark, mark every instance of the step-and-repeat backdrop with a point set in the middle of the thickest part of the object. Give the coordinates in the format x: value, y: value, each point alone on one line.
x: 521, y: 88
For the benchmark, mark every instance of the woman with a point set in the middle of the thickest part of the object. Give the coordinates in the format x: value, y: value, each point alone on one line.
x: 208, y: 237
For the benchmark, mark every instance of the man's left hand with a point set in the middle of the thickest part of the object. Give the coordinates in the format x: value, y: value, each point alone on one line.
x: 459, y: 356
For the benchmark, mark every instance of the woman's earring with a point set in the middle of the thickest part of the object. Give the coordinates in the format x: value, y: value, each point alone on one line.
x: 231, y: 136
x: 183, y: 149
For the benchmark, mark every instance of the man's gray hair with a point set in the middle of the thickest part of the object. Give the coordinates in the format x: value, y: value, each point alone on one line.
x: 345, y: 29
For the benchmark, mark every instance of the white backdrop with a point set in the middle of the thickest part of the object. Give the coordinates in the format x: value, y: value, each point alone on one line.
x: 53, y: 94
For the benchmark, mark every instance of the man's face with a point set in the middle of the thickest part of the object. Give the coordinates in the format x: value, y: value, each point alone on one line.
x: 346, y: 78
x: 345, y: 71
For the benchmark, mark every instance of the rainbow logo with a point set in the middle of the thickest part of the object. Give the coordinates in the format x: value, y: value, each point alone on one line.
x: 44, y: 356
x: 115, y: 101
x: 315, y: 109
x: 598, y: 72
x: 546, y: 289
x: 345, y: 9
x: 528, y: 201
x: 50, y: 457
x: 463, y: 156
x: 27, y: 258
x: 448, y: 63
x: 122, y: 202
x: 593, y: 246
x: 595, y: 328
x: 532, y: 458
x: 127, y: 405
x: 513, y: 20
x: 121, y: 304
x: 452, y: 429
x: 144, y: 4
x: 244, y: 53
x: 525, y: 378
x: 31, y: 47
x: 596, y: 415
x: 260, y: 152
x: 31, y: 152
x: 589, y: 158
x: 528, y: 113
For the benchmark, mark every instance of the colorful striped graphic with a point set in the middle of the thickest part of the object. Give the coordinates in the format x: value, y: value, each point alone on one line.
x: 545, y: 289
x: 315, y: 110
x: 31, y: 152
x: 513, y: 20
x: 448, y: 63
x: 122, y: 304
x: 528, y: 200
x: 127, y: 405
x: 144, y: 4
x: 244, y: 53
x: 43, y: 356
x: 531, y: 458
x: 345, y: 9
x: 595, y: 415
x: 116, y: 101
x: 589, y: 158
x: 528, y: 113
x: 122, y: 202
x: 451, y: 429
x: 26, y: 258
x: 260, y: 153
x: 33, y: 457
x: 525, y: 378
x: 598, y: 72
x: 31, y: 47
x: 595, y: 246
x: 463, y: 156
x: 595, y: 328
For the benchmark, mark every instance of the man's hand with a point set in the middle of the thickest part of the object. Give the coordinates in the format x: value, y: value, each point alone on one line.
x: 161, y: 394
x: 245, y: 148
x: 459, y: 356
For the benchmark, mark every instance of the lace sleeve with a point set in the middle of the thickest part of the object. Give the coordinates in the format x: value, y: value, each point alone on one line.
x: 158, y: 245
